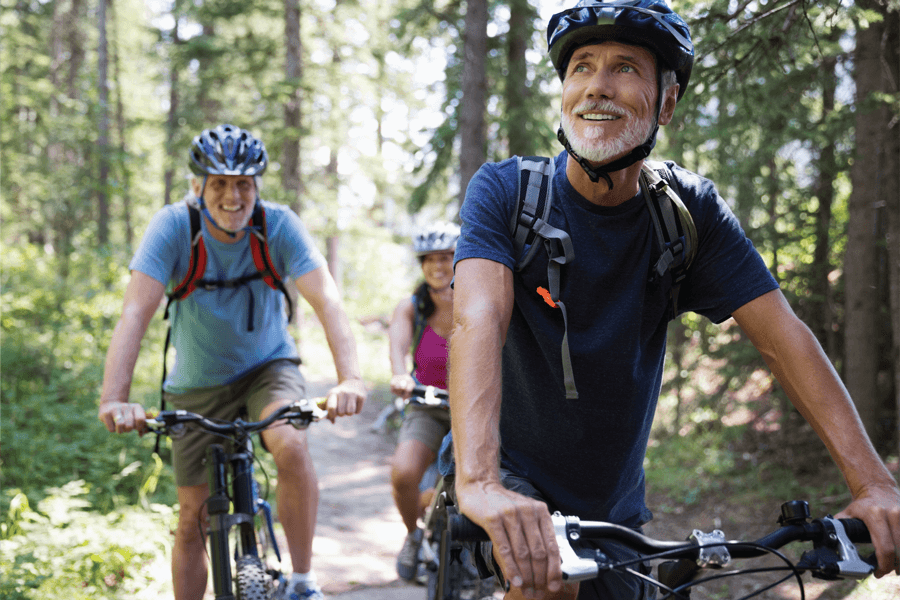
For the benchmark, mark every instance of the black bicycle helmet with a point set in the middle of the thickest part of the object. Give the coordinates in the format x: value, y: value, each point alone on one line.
x: 227, y: 150
x: 437, y: 237
x: 648, y: 23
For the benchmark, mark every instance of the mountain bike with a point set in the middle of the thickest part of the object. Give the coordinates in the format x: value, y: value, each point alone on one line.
x: 450, y: 572
x: 703, y: 557
x: 234, y: 506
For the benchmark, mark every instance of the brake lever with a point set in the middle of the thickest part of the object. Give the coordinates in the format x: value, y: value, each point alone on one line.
x: 574, y: 567
x: 836, y: 557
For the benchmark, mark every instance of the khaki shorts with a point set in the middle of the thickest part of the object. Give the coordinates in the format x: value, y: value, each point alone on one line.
x: 427, y: 424
x: 245, y: 398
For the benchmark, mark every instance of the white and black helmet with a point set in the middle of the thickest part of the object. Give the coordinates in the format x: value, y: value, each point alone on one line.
x: 437, y: 237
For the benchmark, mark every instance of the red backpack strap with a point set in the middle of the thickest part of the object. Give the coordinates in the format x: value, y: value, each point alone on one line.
x: 259, y: 247
x: 197, y: 266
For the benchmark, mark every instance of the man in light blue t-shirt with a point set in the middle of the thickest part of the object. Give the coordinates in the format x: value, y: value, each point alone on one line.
x: 234, y: 353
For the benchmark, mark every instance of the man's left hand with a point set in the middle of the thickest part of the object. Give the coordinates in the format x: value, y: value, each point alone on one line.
x: 879, y: 508
x: 346, y: 399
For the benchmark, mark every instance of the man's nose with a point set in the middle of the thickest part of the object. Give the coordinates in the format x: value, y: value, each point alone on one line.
x: 601, y: 85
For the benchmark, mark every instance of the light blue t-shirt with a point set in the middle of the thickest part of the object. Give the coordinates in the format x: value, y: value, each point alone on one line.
x: 210, y: 327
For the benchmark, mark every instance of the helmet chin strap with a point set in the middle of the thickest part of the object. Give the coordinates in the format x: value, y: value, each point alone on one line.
x: 639, y: 153
x: 206, y: 213
x: 595, y: 173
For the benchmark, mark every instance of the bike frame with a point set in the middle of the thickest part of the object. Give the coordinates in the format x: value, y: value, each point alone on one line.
x: 222, y: 520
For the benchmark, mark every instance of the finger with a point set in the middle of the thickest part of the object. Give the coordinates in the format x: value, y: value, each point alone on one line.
x: 331, y: 406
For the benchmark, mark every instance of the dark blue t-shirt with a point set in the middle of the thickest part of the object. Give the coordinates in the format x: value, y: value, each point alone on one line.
x: 586, y: 455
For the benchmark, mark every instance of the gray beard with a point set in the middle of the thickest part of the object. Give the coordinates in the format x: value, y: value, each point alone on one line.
x: 594, y: 147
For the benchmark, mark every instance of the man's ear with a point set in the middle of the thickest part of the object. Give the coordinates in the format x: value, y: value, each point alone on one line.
x: 196, y: 186
x: 667, y: 109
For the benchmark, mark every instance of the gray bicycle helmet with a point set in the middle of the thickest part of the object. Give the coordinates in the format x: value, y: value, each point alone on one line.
x: 437, y: 237
x: 227, y: 150
x: 648, y: 23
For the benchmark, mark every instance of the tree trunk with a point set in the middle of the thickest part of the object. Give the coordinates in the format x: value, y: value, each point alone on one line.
x: 291, y: 180
x: 171, y: 118
x: 472, y: 109
x: 520, y: 138
x: 124, y: 168
x: 874, y: 176
x: 103, y: 127
x: 820, y: 314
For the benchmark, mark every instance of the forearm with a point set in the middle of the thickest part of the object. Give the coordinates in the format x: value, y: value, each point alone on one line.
x: 121, y: 359
x: 817, y: 392
x: 340, y: 341
x: 798, y: 362
x: 475, y: 386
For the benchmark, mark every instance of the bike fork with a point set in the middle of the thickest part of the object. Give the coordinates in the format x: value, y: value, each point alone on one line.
x: 219, y: 523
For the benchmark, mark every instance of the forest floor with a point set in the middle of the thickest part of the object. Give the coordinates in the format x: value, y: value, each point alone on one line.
x: 359, y: 531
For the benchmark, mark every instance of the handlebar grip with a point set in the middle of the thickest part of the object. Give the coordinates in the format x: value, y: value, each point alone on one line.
x: 463, y: 529
x: 856, y: 531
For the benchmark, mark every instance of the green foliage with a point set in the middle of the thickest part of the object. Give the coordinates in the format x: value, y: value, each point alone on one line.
x: 54, y: 343
x: 123, y: 553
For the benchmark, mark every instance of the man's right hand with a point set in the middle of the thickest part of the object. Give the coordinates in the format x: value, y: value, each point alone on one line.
x: 522, y: 533
x: 122, y: 417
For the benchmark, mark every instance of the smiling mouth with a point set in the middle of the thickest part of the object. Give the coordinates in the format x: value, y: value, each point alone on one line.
x: 599, y: 117
x: 232, y: 209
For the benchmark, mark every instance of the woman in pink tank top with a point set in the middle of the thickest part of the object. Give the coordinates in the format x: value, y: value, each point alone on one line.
x: 420, y: 329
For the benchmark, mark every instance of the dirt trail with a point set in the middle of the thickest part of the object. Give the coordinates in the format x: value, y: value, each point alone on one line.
x: 359, y: 530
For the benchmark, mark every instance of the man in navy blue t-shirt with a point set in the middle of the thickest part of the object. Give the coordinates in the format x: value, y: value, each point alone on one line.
x: 623, y: 68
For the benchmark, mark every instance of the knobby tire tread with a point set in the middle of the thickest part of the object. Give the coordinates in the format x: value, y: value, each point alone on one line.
x: 252, y: 581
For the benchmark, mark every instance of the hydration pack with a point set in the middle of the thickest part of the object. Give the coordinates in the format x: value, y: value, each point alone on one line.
x: 193, y: 280
x: 676, y: 235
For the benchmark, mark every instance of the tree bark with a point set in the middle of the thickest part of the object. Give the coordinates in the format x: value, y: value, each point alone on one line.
x: 103, y: 127
x: 291, y: 180
x: 472, y: 109
x: 874, y: 176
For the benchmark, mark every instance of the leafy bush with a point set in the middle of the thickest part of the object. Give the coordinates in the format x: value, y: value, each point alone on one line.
x: 120, y: 554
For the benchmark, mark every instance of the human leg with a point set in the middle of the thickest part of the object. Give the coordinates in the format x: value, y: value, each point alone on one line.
x: 189, y: 568
x: 410, y: 461
x: 297, y: 491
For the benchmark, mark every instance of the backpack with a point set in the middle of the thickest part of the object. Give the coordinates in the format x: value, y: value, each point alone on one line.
x: 676, y: 235
x: 193, y: 280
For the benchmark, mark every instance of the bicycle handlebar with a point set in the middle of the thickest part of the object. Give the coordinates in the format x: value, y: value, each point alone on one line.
x: 173, y: 422
x: 429, y: 395
x: 834, y: 555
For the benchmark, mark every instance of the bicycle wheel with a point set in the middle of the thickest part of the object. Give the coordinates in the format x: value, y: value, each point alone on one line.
x: 252, y: 582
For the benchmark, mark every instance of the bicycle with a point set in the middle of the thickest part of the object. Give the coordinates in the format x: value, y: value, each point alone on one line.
x: 234, y: 504
x: 450, y: 573
x: 833, y: 554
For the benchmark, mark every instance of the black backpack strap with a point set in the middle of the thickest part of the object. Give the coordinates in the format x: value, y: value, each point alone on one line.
x: 419, y: 325
x: 676, y: 234
x: 526, y: 226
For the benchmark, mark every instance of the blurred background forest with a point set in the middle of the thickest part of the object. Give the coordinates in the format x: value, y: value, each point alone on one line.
x: 376, y: 114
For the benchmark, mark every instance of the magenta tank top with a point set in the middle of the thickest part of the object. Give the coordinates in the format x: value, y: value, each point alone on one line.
x: 431, y: 359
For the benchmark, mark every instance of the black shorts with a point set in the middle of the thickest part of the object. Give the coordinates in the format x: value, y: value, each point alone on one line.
x: 609, y: 586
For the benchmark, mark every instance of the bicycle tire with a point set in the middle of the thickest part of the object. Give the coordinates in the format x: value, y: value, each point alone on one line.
x: 252, y: 581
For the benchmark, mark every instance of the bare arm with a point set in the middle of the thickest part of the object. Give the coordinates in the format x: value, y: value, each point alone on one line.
x: 797, y: 360
x: 400, y: 337
x: 142, y: 298
x: 319, y: 289
x: 519, y: 527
